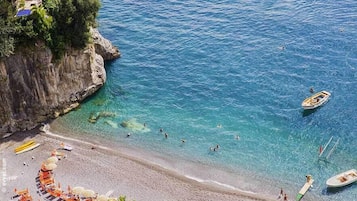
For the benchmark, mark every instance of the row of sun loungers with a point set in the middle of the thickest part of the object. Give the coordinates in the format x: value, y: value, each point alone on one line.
x: 47, y: 185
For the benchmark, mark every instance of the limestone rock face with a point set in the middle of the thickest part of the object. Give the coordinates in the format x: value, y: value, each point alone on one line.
x: 103, y: 46
x: 33, y: 89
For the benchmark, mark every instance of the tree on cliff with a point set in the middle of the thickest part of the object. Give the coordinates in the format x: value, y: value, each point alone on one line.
x: 71, y: 22
x: 60, y: 23
x: 7, y: 41
x: 42, y: 23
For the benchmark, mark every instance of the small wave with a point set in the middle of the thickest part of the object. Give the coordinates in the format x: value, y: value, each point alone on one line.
x: 219, y: 184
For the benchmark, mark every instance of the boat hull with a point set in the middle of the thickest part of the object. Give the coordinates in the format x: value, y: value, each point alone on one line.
x: 304, y: 189
x: 316, y: 100
x: 342, y: 179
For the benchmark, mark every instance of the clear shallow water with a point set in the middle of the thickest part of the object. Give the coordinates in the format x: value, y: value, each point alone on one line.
x: 188, y: 67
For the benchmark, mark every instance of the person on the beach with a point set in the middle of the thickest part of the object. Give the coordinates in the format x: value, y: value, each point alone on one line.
x: 285, y: 197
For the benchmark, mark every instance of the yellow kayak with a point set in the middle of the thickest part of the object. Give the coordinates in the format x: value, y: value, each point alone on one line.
x: 29, y: 148
x: 23, y: 146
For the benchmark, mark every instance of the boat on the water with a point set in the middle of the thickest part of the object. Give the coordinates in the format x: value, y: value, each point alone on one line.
x: 316, y: 100
x: 28, y: 148
x: 342, y: 179
x: 305, y: 188
x: 24, y: 145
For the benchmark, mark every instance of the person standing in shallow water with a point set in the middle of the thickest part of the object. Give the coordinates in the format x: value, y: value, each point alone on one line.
x: 285, y: 197
x: 280, y: 196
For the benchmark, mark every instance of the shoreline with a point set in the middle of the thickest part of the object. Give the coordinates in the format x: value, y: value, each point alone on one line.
x: 122, y: 174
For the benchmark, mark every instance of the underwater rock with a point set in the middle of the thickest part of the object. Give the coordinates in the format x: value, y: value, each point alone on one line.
x: 124, y: 124
x: 93, y: 118
x: 107, y: 114
x: 133, y: 125
x: 111, y: 123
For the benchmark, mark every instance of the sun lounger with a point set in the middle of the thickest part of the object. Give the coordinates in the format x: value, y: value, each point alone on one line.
x: 24, y: 195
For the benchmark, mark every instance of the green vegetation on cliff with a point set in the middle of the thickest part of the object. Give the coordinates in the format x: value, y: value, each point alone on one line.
x: 59, y: 23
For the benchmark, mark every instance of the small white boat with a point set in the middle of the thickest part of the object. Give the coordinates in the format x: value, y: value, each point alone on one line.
x: 316, y: 100
x: 342, y: 179
x: 305, y: 188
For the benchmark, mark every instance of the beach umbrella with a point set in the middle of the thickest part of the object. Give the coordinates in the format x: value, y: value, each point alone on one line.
x: 77, y: 190
x: 102, y: 198
x: 50, y: 166
x: 88, y: 193
x: 52, y: 159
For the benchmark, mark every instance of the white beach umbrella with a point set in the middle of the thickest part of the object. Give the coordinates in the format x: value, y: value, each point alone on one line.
x: 50, y: 166
x: 102, y: 198
x: 88, y: 193
x: 77, y: 190
x: 52, y: 159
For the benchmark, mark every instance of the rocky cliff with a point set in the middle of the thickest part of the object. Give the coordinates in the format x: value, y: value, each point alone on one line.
x: 34, y: 89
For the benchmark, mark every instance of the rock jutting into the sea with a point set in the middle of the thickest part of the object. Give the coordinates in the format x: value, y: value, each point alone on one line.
x: 103, y: 46
x: 34, y: 89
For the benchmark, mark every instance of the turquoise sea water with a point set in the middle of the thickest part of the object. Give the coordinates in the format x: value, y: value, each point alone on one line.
x: 189, y: 66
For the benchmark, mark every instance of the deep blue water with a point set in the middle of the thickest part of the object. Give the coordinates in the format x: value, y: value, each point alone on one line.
x: 189, y: 66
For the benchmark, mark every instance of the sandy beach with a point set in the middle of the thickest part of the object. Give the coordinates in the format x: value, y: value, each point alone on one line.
x: 102, y: 170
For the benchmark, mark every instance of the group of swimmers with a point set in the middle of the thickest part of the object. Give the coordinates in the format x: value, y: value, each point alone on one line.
x: 166, y: 135
x: 214, y: 148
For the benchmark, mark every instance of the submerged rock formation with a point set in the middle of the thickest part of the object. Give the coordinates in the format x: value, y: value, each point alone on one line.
x: 34, y: 89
